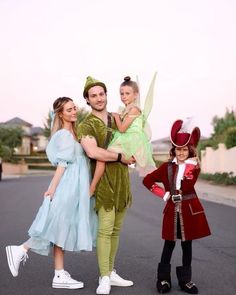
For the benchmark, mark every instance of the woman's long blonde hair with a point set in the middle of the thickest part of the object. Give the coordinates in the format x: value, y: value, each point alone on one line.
x: 58, y: 107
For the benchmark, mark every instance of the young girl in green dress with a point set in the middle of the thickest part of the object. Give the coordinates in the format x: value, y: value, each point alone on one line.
x: 130, y: 139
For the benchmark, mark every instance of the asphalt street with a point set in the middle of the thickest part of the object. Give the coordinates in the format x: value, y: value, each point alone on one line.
x: 214, y: 257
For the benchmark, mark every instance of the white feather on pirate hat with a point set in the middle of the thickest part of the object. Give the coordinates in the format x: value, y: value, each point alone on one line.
x: 183, y: 133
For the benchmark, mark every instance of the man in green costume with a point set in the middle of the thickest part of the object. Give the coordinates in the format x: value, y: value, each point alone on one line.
x: 113, y: 194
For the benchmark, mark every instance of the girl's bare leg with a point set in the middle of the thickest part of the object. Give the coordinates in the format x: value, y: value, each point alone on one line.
x: 58, y: 258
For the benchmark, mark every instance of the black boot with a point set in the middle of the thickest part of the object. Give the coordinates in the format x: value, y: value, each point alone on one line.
x: 184, y: 274
x: 163, y: 278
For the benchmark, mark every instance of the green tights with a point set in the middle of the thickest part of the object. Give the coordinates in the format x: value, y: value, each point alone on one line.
x: 109, y: 225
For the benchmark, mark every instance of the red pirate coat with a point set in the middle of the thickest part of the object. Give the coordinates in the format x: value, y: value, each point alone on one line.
x: 193, y: 222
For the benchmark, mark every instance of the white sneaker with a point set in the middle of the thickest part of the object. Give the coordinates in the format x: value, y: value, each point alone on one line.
x: 64, y: 281
x: 116, y: 280
x: 104, y: 285
x: 15, y: 254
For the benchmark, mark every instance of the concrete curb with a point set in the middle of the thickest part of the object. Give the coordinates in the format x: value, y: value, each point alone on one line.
x: 29, y: 173
x: 207, y: 191
x: 220, y: 194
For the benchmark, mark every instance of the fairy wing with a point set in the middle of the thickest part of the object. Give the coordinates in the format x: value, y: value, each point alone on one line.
x: 148, y: 107
x: 138, y: 102
x: 147, y: 130
x: 149, y: 98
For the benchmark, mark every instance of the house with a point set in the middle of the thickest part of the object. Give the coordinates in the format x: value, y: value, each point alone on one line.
x: 33, y: 139
x: 161, y: 148
x: 38, y: 139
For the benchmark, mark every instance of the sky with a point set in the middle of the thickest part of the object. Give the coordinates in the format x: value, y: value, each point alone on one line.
x: 49, y: 47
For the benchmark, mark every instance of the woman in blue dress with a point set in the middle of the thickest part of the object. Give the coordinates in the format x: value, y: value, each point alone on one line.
x: 66, y: 219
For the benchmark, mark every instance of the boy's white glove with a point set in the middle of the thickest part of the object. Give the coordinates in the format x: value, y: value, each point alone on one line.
x: 166, y: 196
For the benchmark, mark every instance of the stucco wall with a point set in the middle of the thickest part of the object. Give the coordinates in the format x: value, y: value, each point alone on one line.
x: 220, y: 160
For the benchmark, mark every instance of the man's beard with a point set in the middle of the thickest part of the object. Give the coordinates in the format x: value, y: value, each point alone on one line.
x: 99, y: 109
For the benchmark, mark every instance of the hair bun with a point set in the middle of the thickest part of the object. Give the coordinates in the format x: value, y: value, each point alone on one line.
x: 127, y: 78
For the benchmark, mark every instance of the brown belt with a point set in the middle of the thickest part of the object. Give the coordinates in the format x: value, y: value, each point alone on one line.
x: 179, y: 198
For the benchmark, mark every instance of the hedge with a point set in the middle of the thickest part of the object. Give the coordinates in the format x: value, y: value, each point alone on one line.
x: 220, y: 178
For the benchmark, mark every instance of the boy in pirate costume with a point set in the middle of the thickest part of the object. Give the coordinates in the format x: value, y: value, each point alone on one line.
x: 113, y: 194
x: 184, y: 216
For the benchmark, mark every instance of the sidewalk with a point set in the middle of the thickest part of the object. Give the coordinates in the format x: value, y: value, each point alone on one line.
x: 29, y: 173
x: 216, y: 193
x: 206, y: 191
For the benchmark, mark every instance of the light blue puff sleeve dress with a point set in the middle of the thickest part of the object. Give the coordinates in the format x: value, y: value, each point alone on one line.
x: 69, y: 220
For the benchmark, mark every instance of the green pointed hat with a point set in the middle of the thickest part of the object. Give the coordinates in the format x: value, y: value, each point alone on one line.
x: 90, y: 82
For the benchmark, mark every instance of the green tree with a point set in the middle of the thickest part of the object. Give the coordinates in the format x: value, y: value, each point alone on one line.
x: 5, y: 153
x: 230, y: 140
x: 10, y: 138
x: 223, y: 131
x: 220, y: 125
x: 47, y: 125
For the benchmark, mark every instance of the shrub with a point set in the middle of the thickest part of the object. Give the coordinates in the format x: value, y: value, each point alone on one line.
x: 230, y: 140
x: 10, y: 138
x: 220, y: 178
x: 31, y: 159
x: 36, y: 167
x: 5, y: 153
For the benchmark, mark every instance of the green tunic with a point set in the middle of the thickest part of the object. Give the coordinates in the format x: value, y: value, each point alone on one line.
x: 113, y: 189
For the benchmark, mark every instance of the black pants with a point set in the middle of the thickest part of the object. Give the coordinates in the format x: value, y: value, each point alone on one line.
x: 170, y: 245
x: 0, y: 171
x: 168, y: 250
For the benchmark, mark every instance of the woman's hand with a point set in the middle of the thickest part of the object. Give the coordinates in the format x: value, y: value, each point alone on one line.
x: 92, y: 189
x: 50, y: 193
